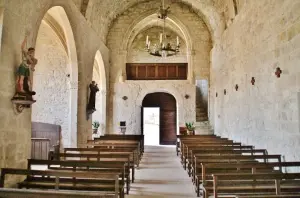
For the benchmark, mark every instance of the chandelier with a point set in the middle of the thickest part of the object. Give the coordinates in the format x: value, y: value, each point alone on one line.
x: 163, y: 48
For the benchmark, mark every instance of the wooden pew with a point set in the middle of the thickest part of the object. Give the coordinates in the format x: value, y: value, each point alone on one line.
x: 139, y: 138
x: 134, y: 156
x: 194, y: 153
x: 29, y: 193
x: 77, y: 180
x: 268, y: 196
x: 215, y: 168
x: 103, y: 167
x: 102, y: 157
x: 119, y: 145
x: 188, y: 147
x: 182, y: 137
x: 211, y: 146
x: 224, y: 159
x: 261, y: 183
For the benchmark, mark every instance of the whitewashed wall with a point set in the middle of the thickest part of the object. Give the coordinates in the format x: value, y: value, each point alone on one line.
x: 264, y: 35
x: 130, y: 110
x: 51, y: 83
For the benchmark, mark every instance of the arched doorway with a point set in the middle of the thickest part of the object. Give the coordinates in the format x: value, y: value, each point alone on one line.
x: 55, y: 78
x: 168, y: 115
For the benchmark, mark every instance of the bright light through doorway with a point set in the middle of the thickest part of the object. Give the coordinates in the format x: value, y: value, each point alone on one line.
x: 151, y: 125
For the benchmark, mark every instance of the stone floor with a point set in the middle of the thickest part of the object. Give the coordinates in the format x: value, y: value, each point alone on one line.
x: 161, y: 175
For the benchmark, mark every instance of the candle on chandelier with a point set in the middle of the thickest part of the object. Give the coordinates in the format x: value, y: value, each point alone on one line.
x: 177, y: 41
x: 147, y: 40
x: 160, y: 39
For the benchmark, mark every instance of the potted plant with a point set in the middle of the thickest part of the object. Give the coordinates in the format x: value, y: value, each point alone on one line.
x: 95, y: 125
x: 190, y: 128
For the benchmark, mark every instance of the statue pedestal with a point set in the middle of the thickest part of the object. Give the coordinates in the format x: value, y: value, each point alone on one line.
x: 123, y: 130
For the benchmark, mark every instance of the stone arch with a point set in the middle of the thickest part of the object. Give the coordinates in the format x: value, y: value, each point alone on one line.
x: 147, y: 18
x: 56, y: 77
x: 99, y: 76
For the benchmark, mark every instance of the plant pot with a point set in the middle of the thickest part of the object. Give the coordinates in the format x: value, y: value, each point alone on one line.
x: 190, y: 132
x: 95, y: 131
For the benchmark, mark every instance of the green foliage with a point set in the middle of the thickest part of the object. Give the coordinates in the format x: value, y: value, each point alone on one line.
x: 190, y: 126
x: 96, y: 124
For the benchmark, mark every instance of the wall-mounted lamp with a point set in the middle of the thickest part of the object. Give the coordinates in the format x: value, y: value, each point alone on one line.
x: 124, y: 97
x: 278, y: 72
x: 186, y: 96
x: 252, y: 80
x: 224, y: 91
x: 216, y: 94
x: 236, y: 87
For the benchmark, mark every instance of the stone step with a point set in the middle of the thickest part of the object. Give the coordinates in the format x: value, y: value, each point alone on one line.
x: 201, y: 108
x: 201, y: 113
x: 202, y: 124
x: 203, y: 132
x: 201, y: 119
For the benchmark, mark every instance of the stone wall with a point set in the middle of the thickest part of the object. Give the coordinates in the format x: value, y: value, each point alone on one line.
x: 51, y: 83
x: 263, y: 36
x: 130, y: 110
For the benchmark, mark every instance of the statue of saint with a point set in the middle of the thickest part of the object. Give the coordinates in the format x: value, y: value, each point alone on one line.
x: 23, y: 73
x: 92, y: 99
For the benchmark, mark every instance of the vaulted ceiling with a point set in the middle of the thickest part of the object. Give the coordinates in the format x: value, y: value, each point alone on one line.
x: 104, y: 12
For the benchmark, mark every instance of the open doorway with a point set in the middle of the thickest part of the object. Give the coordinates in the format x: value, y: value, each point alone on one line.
x: 167, y: 116
x: 151, y: 125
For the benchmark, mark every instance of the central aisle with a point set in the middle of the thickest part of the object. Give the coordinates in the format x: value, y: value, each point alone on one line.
x: 161, y: 175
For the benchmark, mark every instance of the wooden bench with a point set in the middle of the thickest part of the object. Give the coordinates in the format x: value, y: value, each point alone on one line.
x: 182, y: 137
x: 139, y: 138
x: 129, y: 151
x: 216, y: 168
x: 104, y: 167
x: 260, y: 183
x: 268, y: 196
x: 213, y: 147
x: 189, y: 148
x: 224, y: 159
x: 88, y: 181
x: 194, y: 153
x: 102, y: 157
x: 29, y: 193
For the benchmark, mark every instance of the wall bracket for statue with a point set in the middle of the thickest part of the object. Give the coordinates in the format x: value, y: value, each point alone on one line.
x: 90, y: 109
x: 21, y: 102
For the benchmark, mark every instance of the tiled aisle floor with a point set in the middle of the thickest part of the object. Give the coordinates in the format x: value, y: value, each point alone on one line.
x: 161, y: 175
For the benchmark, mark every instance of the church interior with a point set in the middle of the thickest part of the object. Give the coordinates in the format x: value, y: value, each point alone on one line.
x: 150, y: 98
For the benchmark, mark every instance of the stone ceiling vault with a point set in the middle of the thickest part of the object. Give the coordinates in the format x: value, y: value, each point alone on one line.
x: 152, y: 21
x: 105, y: 11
